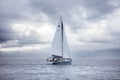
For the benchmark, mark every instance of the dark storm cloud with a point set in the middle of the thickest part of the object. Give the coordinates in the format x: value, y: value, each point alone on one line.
x: 99, y: 8
x: 21, y: 10
x: 14, y: 10
x: 6, y: 33
x: 95, y: 8
x: 9, y: 11
x: 52, y: 8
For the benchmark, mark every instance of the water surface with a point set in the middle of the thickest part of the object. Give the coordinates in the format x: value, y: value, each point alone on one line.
x: 39, y: 69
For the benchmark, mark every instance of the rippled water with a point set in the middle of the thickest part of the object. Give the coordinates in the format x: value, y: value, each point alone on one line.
x: 39, y: 69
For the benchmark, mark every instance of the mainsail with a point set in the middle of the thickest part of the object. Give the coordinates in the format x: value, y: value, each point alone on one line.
x: 60, y: 49
x: 60, y: 46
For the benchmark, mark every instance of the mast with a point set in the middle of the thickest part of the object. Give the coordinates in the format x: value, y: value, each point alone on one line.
x: 62, y: 34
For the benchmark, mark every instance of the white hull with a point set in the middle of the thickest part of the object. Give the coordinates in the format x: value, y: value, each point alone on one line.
x: 60, y: 61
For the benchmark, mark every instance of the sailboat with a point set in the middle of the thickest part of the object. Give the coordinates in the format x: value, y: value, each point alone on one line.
x: 60, y: 50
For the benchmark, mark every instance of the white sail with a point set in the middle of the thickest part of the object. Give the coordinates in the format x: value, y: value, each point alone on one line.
x: 60, y: 49
x: 57, y: 42
x: 60, y: 45
x: 66, y: 51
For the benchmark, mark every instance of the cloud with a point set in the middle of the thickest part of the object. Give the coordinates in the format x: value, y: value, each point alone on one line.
x: 90, y: 24
x: 32, y: 38
x: 92, y: 9
x: 98, y: 35
x: 6, y: 33
x: 9, y: 13
x: 75, y: 13
x: 25, y: 52
x: 97, y: 8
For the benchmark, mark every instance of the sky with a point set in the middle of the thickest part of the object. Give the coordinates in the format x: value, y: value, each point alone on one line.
x: 92, y: 26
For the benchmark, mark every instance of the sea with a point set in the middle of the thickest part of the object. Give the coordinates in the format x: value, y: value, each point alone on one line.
x: 39, y: 69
